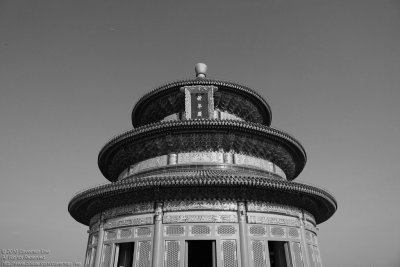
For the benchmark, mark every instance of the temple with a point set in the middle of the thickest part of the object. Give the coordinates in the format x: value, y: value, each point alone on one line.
x: 202, y: 180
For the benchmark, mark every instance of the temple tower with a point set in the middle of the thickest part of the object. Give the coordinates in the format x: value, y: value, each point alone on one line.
x: 202, y: 180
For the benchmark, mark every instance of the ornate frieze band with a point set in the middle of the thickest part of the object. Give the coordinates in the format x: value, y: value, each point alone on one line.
x: 147, y: 207
x: 129, y: 221
x: 200, y: 205
x: 260, y: 206
x: 255, y: 218
x: 193, y: 217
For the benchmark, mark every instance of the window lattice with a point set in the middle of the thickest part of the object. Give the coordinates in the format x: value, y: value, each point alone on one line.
x: 258, y: 253
x: 144, y: 254
x: 87, y: 259
x: 172, y: 256
x: 226, y: 230
x: 277, y: 231
x: 317, y: 257
x: 308, y: 236
x: 297, y: 256
x: 143, y: 231
x: 314, y: 238
x: 126, y: 233
x: 229, y: 253
x: 294, y: 232
x: 107, y: 256
x: 111, y: 235
x: 92, y: 256
x: 311, y: 257
x: 175, y: 230
x: 257, y: 230
x: 201, y: 230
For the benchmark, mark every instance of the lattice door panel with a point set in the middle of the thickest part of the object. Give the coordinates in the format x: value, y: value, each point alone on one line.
x: 258, y: 253
x: 297, y: 256
x: 311, y: 256
x: 172, y: 256
x: 143, y: 258
x: 92, y: 257
x: 317, y: 257
x: 229, y: 254
x: 107, y: 256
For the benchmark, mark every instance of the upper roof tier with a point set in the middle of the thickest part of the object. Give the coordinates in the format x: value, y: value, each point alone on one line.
x: 230, y: 98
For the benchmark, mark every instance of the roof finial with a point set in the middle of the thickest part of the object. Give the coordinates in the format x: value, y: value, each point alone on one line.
x: 201, y: 70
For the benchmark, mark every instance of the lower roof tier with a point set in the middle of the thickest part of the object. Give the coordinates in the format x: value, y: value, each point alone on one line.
x: 229, y: 136
x: 202, y: 184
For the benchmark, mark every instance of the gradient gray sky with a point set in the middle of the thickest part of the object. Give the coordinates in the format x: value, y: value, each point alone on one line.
x: 71, y: 71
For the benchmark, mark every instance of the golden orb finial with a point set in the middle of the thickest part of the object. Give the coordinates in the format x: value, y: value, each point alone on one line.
x: 201, y: 70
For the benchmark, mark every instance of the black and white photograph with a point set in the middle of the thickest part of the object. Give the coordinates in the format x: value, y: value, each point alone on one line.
x: 140, y: 133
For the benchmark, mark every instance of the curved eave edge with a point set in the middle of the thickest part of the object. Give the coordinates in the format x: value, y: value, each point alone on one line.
x: 157, y: 127
x: 171, y: 85
x: 114, y: 189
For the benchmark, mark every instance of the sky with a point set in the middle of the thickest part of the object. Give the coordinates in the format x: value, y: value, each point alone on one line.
x: 71, y: 72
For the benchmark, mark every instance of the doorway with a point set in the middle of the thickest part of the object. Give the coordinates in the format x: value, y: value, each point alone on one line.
x: 200, y: 253
x: 125, y: 254
x: 279, y: 253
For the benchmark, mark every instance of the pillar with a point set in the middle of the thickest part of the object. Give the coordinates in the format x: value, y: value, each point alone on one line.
x: 157, y: 245
x: 303, y: 239
x: 100, y: 240
x: 244, y: 251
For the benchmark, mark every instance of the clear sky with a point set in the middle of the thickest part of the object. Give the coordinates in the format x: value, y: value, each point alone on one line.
x: 71, y: 71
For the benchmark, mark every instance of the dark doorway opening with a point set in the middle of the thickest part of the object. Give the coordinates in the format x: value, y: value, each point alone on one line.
x: 125, y: 254
x: 200, y: 253
x: 278, y: 253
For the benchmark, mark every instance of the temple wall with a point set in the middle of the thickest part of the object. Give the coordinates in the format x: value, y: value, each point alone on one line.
x: 217, y: 220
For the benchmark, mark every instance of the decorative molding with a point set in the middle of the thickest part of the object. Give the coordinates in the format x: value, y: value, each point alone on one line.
x: 129, y: 221
x: 94, y: 228
x: 309, y: 217
x: 147, y: 207
x: 200, y: 205
x: 193, y: 217
x: 259, y: 206
x: 309, y: 226
x: 95, y: 219
x: 197, y: 157
x: 272, y: 220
